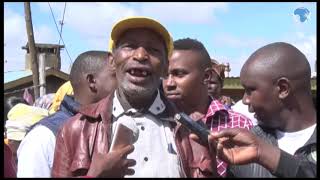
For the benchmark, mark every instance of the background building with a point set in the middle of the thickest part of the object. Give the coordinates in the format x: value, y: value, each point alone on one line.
x: 16, y: 82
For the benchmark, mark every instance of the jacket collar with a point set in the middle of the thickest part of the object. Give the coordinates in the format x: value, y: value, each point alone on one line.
x: 158, y: 106
x: 310, y: 145
x: 69, y: 105
x: 96, y: 109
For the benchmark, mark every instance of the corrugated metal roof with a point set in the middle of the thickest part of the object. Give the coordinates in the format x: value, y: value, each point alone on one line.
x: 14, y: 75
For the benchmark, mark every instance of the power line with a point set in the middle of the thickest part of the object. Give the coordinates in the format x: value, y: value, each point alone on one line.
x: 55, y: 22
x: 61, y: 22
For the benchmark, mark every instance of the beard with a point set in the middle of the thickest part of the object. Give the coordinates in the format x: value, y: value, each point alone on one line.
x: 136, y: 93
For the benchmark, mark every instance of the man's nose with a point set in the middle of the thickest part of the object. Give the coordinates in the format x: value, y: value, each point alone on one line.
x: 140, y: 54
x: 170, y: 83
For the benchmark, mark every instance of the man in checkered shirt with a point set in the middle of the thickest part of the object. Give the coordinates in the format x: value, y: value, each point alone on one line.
x: 186, y: 85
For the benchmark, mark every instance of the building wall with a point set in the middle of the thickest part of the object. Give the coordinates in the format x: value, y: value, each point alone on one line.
x: 53, y: 84
x: 235, y: 94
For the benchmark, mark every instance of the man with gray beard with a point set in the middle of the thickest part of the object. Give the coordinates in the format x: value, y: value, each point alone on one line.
x: 159, y: 147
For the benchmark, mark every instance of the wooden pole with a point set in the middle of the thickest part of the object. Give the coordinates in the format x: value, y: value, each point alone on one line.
x: 32, y: 49
x: 42, y: 74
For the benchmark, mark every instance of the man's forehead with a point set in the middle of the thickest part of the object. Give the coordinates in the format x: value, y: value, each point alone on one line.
x: 179, y: 61
x: 186, y: 55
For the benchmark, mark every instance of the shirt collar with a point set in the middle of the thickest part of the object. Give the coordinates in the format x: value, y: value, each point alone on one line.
x: 156, y: 107
x: 214, y: 107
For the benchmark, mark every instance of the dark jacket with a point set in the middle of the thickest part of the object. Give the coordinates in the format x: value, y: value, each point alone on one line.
x: 300, y: 165
x: 89, y: 132
x: 68, y: 108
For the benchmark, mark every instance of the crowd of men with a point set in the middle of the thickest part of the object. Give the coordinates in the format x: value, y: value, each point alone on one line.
x: 143, y: 81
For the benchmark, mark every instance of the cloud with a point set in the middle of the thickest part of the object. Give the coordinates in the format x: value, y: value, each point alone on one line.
x: 244, y: 47
x: 232, y: 41
x: 44, y: 34
x: 235, y: 63
x: 308, y: 46
x: 89, y: 19
x: 305, y: 42
x: 15, y: 36
x: 93, y: 21
x: 189, y: 13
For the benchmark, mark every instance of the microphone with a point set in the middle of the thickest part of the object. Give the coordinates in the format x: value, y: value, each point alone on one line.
x: 199, y: 129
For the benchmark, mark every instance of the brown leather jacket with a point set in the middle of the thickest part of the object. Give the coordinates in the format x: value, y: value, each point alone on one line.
x: 88, y: 132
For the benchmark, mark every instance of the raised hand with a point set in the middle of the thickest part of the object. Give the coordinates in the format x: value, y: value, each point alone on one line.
x: 240, y: 146
x: 234, y: 145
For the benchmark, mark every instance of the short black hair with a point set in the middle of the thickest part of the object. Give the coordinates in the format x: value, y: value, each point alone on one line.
x: 88, y: 62
x: 10, y: 102
x: 194, y: 45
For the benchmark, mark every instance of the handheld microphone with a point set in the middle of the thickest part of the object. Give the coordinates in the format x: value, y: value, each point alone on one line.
x: 200, y: 130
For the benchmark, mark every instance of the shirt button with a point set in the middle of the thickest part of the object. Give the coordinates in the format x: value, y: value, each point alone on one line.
x: 158, y: 108
x: 142, y: 128
x: 145, y: 159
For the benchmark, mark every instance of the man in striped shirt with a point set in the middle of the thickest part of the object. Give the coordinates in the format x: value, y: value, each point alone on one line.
x: 186, y: 85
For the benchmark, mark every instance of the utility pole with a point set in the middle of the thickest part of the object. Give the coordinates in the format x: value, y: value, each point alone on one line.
x: 32, y: 49
x: 42, y: 73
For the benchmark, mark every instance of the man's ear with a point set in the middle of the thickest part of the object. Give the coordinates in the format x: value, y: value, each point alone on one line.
x: 111, y: 62
x: 208, y: 73
x: 283, y: 85
x: 91, y: 82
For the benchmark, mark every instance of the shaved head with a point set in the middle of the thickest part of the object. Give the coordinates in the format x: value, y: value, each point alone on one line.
x: 278, y: 60
x: 276, y: 79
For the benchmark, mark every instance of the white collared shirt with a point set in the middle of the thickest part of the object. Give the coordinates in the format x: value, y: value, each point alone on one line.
x: 35, y: 153
x: 155, y: 150
x: 292, y: 141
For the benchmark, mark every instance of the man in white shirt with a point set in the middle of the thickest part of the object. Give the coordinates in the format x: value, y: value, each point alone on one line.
x: 88, y: 76
x: 141, y: 47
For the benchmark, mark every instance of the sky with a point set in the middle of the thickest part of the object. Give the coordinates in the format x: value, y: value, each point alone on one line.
x: 230, y: 31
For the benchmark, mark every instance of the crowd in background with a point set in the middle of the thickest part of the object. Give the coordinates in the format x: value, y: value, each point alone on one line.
x: 146, y: 78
